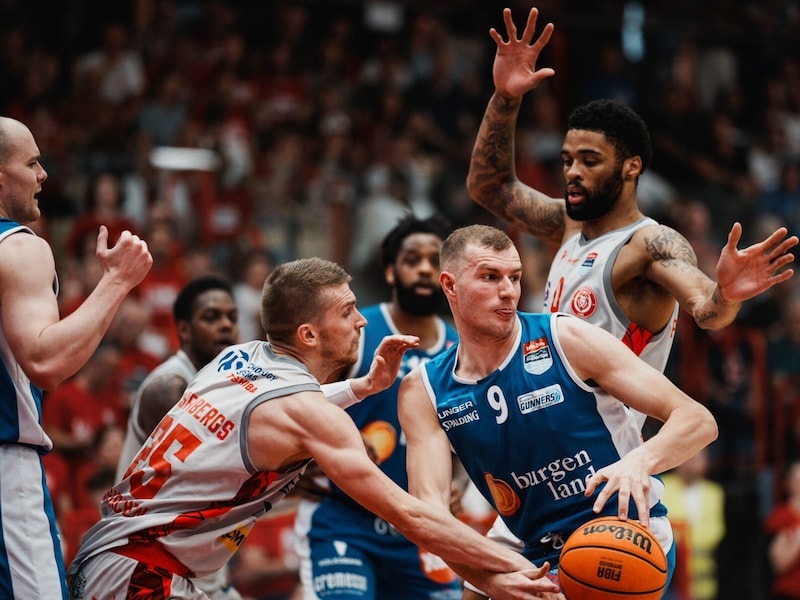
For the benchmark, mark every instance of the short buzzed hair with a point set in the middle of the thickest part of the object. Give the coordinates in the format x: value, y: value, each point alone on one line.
x: 623, y: 128
x: 6, y: 142
x: 293, y: 294
x: 483, y: 236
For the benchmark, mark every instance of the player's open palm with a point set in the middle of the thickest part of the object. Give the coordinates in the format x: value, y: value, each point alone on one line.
x: 743, y: 274
x: 387, y: 361
x: 514, y: 68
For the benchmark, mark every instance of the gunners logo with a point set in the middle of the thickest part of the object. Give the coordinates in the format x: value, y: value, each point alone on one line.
x: 584, y: 302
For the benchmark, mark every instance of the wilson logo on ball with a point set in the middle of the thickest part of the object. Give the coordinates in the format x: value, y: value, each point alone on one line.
x: 610, y: 559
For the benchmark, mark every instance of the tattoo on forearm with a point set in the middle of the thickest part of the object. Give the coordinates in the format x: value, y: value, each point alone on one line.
x: 707, y: 316
x: 492, y: 182
x: 670, y: 248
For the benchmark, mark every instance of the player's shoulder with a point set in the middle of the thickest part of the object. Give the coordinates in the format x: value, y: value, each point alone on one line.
x: 660, y: 242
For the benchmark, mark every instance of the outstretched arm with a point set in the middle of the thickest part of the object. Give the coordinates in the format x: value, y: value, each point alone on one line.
x: 289, y: 428
x: 741, y: 274
x: 492, y: 181
x: 688, y: 426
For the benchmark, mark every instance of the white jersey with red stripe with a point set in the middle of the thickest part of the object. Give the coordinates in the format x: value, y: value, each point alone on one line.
x: 178, y: 365
x: 579, y: 283
x: 193, y: 487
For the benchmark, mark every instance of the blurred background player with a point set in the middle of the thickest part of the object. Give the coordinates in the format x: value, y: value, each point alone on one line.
x: 206, y: 318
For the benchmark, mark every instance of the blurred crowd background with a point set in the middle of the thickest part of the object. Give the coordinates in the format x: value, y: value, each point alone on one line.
x: 315, y: 124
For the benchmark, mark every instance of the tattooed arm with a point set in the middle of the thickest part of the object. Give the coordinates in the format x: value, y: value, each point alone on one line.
x: 741, y: 274
x: 492, y: 181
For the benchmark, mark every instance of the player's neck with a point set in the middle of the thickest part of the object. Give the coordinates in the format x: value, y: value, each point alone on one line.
x: 619, y: 217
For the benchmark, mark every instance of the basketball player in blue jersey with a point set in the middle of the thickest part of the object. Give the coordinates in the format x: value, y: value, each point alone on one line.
x: 37, y: 352
x: 614, y: 267
x: 539, y: 409
x: 346, y: 550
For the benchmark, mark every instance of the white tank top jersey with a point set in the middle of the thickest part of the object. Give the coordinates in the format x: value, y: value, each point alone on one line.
x: 579, y: 283
x: 176, y: 365
x: 193, y: 486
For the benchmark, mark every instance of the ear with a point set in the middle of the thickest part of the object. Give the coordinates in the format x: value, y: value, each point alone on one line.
x: 307, y: 335
x: 388, y: 275
x: 448, y: 283
x: 184, y: 330
x: 632, y: 168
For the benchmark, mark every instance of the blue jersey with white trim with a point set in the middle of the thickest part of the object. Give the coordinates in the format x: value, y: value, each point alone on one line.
x: 376, y: 416
x: 531, y: 433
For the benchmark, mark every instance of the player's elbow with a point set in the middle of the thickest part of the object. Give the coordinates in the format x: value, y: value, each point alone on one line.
x: 45, y: 375
x: 706, y: 426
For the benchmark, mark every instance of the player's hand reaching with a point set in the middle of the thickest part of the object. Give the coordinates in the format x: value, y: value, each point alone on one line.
x: 514, y: 68
x: 743, y: 274
x: 530, y: 583
x: 628, y: 476
x: 385, y: 365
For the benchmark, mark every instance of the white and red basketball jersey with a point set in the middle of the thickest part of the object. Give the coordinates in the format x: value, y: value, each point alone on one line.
x: 193, y: 487
x: 177, y: 365
x: 579, y: 283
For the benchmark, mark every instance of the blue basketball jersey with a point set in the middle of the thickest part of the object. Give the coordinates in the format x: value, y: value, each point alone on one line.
x: 531, y: 433
x: 376, y: 416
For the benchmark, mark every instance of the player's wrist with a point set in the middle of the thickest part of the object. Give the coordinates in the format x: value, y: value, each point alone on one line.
x: 720, y: 298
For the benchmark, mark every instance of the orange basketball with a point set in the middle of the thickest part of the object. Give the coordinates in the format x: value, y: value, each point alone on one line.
x: 609, y: 559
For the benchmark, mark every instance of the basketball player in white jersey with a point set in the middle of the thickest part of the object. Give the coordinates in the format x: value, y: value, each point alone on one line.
x: 38, y: 350
x: 614, y: 266
x: 242, y: 435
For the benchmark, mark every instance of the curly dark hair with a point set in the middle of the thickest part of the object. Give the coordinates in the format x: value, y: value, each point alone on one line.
x: 409, y: 225
x: 624, y: 128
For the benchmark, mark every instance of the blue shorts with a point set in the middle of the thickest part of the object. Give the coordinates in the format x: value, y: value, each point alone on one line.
x: 346, y: 553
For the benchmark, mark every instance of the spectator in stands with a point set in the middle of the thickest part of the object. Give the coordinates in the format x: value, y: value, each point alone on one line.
x: 783, y: 528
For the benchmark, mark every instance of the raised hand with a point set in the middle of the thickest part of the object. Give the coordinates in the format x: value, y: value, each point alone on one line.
x: 128, y: 260
x: 514, y: 68
x: 385, y: 365
x: 743, y: 274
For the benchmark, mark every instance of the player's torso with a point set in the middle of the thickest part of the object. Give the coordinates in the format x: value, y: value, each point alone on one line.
x: 22, y: 402
x: 194, y: 473
x: 586, y: 280
x: 530, y: 434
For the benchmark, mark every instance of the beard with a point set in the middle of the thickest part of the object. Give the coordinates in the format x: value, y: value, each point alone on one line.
x: 598, y: 203
x: 415, y: 304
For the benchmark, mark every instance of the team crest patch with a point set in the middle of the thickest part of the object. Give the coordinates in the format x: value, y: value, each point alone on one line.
x: 584, y: 302
x: 587, y: 264
x: 537, y: 356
